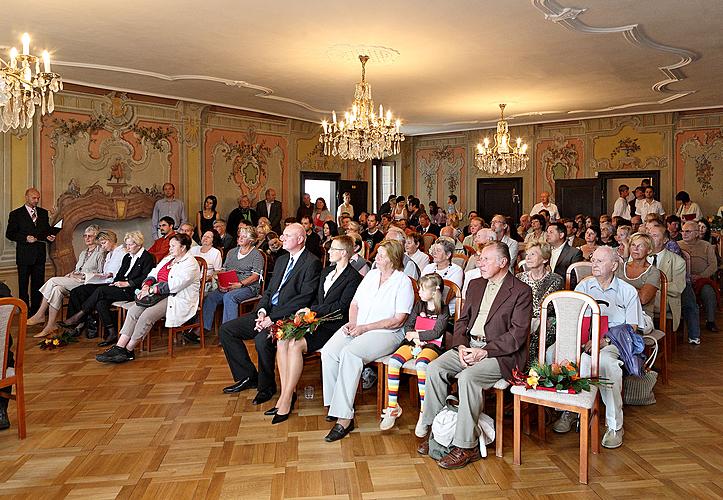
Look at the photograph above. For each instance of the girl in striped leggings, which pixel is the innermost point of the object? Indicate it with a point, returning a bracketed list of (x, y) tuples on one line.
[(425, 329)]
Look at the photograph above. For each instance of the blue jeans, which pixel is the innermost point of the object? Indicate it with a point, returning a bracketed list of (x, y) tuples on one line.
[(690, 312), (709, 300), (230, 300)]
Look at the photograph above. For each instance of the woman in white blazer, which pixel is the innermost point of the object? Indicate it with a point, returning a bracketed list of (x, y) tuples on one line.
[(177, 277)]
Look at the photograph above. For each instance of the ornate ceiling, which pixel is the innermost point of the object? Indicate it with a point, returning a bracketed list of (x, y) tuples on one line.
[(441, 66)]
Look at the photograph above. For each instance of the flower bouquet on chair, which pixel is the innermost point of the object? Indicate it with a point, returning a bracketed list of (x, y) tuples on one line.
[(561, 377), (299, 325)]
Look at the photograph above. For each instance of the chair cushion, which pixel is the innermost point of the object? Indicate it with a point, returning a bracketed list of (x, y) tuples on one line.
[(10, 372), (501, 384), (123, 304), (658, 335), (583, 400)]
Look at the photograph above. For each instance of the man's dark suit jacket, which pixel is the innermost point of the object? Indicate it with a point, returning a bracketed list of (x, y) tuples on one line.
[(298, 291), (141, 267), (432, 229), (313, 244), (508, 322), (236, 216), (569, 255), (20, 225), (275, 215)]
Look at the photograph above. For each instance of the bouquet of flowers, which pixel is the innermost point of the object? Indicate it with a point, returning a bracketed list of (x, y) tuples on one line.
[(557, 377), (57, 341), (299, 325)]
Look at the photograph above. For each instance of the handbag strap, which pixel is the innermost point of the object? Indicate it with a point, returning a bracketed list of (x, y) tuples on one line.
[(650, 360)]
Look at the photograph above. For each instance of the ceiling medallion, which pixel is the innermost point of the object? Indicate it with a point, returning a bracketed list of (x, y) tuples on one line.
[(362, 134), (502, 158), (21, 88)]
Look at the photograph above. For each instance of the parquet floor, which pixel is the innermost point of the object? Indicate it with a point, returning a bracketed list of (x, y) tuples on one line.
[(161, 428)]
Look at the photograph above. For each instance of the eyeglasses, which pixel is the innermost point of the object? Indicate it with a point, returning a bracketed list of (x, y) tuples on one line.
[(337, 249)]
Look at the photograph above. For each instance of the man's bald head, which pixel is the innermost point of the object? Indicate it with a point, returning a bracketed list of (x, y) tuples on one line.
[(32, 197), (447, 231), (293, 237)]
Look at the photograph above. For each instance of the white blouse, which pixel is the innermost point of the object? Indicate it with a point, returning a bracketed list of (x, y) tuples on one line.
[(377, 302)]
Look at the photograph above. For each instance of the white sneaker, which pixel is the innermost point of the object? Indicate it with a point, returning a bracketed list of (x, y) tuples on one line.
[(421, 430), (389, 416), (613, 438), (564, 423), (694, 341)]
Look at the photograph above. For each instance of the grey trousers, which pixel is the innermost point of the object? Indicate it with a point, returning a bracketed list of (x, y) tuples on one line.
[(342, 361), (140, 320), (471, 383)]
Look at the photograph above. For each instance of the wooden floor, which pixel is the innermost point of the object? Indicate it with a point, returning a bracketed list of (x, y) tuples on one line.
[(159, 428)]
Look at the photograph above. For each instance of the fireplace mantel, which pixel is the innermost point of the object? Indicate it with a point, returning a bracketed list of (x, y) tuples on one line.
[(75, 208)]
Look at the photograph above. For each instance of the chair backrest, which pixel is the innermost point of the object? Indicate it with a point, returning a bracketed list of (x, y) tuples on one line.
[(367, 250), (686, 256), (266, 268), (522, 266), (662, 323), (10, 307), (469, 250), (581, 269), (428, 239), (202, 292), (415, 287), (453, 293), (570, 308), (460, 259)]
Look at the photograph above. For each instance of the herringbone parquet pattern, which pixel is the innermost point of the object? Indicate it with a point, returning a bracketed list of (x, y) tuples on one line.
[(161, 428)]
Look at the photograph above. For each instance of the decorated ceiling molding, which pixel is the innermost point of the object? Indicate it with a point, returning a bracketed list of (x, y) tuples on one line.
[(549, 60)]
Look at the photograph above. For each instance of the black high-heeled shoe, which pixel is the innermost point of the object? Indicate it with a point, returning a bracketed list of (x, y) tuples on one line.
[(275, 410)]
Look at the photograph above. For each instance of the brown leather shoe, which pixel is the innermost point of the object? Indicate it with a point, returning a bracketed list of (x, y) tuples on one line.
[(459, 457), (423, 448)]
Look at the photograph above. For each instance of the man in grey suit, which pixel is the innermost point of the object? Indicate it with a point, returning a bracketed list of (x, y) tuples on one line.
[(293, 286), (562, 254)]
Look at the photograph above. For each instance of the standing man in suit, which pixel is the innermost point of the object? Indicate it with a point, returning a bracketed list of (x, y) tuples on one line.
[(293, 286), (271, 209), (243, 212), (29, 227), (489, 340), (562, 254), (136, 265)]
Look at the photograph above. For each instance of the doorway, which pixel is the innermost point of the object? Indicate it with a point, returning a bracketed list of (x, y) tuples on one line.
[(499, 196), (609, 182), (321, 185)]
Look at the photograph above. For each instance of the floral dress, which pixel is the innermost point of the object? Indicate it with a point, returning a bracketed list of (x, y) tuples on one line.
[(541, 288)]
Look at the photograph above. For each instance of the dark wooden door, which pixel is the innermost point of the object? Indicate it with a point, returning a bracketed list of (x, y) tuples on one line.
[(359, 191), (499, 196), (578, 196)]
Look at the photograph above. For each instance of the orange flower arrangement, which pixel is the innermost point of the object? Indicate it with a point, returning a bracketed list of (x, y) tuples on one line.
[(299, 325), (560, 377)]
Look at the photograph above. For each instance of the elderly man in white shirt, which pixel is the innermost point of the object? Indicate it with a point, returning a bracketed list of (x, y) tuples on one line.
[(546, 204), (622, 306)]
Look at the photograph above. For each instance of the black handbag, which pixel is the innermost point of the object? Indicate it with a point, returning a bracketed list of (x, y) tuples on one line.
[(151, 299)]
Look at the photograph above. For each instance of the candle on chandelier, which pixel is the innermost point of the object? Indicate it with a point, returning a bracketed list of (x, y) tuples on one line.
[(333, 116), (398, 124), (519, 142), (13, 57), (524, 148), (324, 125), (487, 142), (389, 116), (26, 43), (46, 61)]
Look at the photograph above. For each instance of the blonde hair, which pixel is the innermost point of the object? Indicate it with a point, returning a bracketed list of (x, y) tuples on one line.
[(435, 282), (109, 235), (545, 250), (453, 220), (647, 240), (395, 252), (135, 236)]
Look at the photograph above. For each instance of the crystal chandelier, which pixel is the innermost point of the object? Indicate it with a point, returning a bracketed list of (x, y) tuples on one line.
[(23, 87), (362, 134), (502, 158)]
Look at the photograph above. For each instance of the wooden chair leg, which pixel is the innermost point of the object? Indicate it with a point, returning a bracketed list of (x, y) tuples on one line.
[(595, 426), (20, 402), (526, 426), (665, 356), (541, 423), (381, 382), (584, 434), (499, 417), (203, 335), (171, 335), (517, 453)]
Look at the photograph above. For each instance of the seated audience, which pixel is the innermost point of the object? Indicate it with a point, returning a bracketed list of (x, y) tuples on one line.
[(674, 223), (423, 345), (703, 265), (331, 231), (377, 313), (305, 208), (227, 240), (622, 236), (427, 226), (437, 215), (136, 265), (410, 268), (248, 263), (55, 289), (621, 304), (475, 224), (412, 244), (542, 282), (400, 210), (441, 251), (537, 232), (209, 251), (562, 255), (243, 212), (357, 261), (337, 285), (451, 232), (607, 235), (177, 279), (571, 230), (489, 341), (386, 222), (502, 231), (635, 223), (293, 286), (642, 275), (592, 242), (188, 229), (159, 248), (372, 235)]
